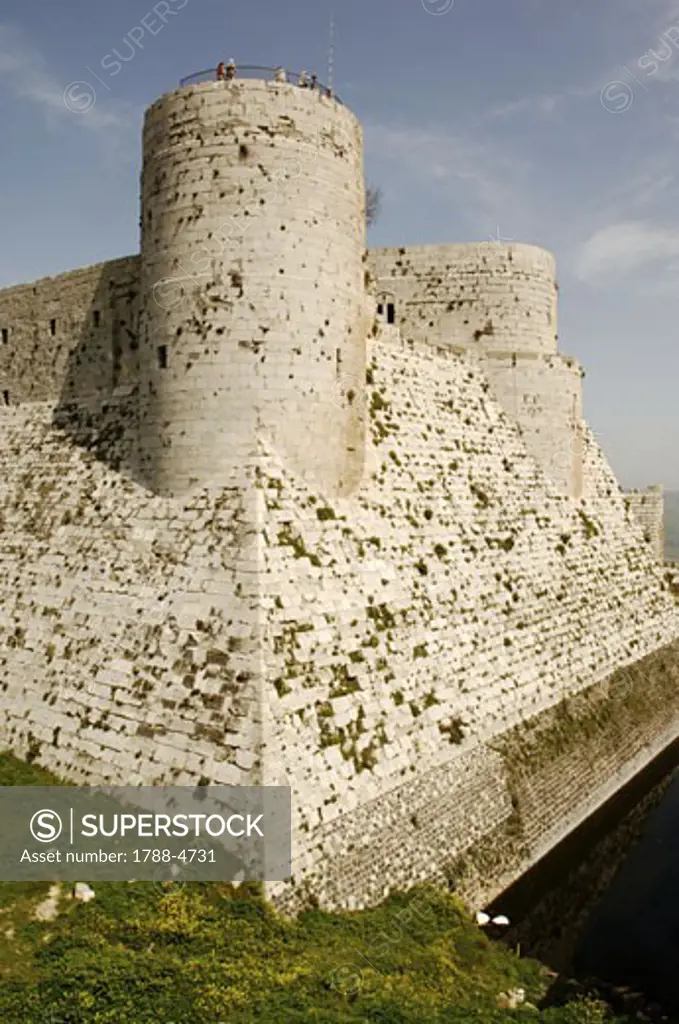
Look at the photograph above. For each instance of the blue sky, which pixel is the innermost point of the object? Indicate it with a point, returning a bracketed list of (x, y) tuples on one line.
[(547, 121)]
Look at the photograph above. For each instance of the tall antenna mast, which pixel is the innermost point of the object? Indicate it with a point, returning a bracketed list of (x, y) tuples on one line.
[(331, 49)]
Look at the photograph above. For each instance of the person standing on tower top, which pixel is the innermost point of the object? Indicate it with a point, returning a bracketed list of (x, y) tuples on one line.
[(280, 75), (231, 70), (314, 81), (221, 67), (303, 80)]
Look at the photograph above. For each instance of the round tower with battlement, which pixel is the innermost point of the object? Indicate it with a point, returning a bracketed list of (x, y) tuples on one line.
[(500, 301), (488, 296), (254, 310)]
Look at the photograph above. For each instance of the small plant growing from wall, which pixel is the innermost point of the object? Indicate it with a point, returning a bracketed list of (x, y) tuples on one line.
[(591, 529), (373, 203), (452, 729), (487, 330)]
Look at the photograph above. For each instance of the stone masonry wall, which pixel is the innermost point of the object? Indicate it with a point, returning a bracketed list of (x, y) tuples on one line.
[(72, 336), (499, 301), (125, 618), (648, 510), (370, 651), (253, 237), (456, 596), (403, 580), (544, 396), (492, 297)]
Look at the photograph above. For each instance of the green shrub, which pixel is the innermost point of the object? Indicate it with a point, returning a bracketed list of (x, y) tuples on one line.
[(207, 952)]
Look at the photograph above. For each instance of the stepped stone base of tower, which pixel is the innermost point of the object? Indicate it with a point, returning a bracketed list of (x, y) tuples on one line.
[(394, 656)]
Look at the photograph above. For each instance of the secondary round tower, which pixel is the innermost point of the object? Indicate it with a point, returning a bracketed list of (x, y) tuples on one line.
[(486, 296), (252, 243), (500, 302)]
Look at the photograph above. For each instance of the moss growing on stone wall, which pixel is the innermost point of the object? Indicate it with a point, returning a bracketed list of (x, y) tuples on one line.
[(453, 730), (325, 513), (343, 684), (382, 616), (286, 536), (609, 723), (282, 687), (590, 527)]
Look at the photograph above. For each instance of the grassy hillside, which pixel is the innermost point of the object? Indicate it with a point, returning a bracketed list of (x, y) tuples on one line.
[(208, 953), (672, 525)]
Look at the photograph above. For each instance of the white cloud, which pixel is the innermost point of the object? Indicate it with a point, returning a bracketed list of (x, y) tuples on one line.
[(626, 247), (542, 104)]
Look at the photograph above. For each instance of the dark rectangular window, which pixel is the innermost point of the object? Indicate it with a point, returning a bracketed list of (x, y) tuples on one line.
[(380, 308), (5, 335), (391, 313), (96, 317), (5, 397), (162, 356), (53, 327)]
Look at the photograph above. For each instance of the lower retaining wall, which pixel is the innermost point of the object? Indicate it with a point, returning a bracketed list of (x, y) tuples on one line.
[(519, 795)]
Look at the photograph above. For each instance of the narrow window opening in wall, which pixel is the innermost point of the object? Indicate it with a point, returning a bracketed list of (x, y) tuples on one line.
[(53, 327), (391, 313), (96, 317), (162, 357), (380, 308), (5, 335), (5, 397), (338, 359)]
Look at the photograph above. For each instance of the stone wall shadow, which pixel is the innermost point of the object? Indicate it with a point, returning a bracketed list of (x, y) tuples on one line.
[(97, 407), (551, 906)]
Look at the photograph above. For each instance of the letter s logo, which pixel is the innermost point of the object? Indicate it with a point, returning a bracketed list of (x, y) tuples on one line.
[(46, 826), (647, 62)]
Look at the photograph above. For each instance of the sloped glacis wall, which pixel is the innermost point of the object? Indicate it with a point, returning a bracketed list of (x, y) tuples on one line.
[(372, 651)]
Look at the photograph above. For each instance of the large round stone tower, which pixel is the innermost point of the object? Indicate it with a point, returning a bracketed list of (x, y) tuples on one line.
[(252, 249)]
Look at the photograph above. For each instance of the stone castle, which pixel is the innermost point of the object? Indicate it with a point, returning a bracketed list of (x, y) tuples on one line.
[(278, 510)]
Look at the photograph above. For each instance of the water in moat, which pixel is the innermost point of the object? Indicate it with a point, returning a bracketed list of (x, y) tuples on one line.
[(632, 936), (603, 909)]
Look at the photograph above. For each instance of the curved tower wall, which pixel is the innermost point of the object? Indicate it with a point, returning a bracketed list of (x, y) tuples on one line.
[(253, 235), (488, 296), (501, 302)]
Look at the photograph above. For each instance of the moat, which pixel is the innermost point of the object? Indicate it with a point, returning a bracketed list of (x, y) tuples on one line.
[(611, 922)]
